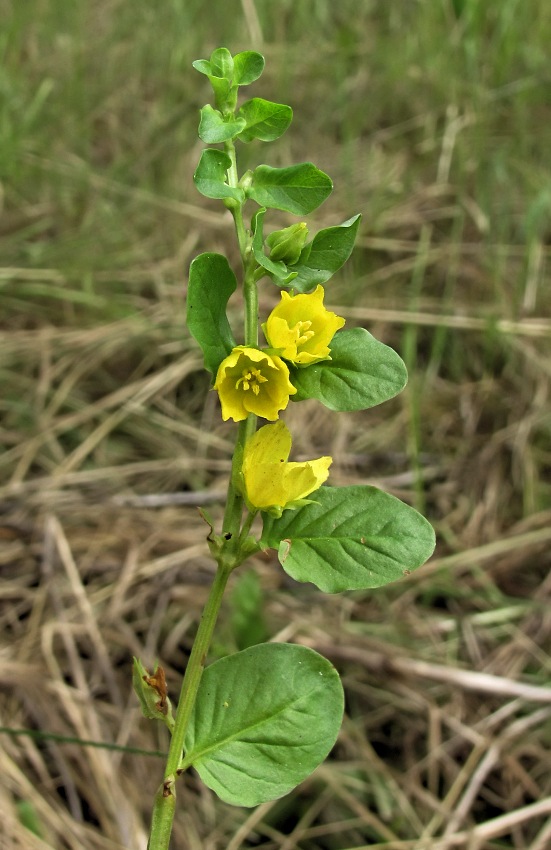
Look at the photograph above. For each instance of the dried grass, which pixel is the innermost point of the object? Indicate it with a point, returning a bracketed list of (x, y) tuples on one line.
[(448, 711), (109, 445)]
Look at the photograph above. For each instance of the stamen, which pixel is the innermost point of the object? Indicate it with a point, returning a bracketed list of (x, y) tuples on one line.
[(304, 331), (259, 376), (250, 380)]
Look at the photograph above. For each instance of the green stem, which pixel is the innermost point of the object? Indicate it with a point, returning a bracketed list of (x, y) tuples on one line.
[(163, 809), (247, 428), (234, 500), (230, 555), (247, 526), (250, 293), (237, 210)]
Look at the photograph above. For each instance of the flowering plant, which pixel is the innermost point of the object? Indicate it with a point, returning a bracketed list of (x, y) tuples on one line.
[(256, 723)]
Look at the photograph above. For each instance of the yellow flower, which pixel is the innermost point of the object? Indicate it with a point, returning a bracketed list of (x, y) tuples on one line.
[(270, 483), (300, 328), (252, 381)]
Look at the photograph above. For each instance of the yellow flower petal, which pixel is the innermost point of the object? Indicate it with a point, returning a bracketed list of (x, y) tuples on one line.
[(270, 482), (302, 479), (301, 329), (251, 381), (270, 444)]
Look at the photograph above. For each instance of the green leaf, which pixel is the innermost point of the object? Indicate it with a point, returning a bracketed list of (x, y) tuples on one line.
[(264, 120), (203, 66), (221, 63), (225, 94), (213, 129), (248, 67), (325, 254), (220, 85), (350, 538), (210, 176), (220, 66), (211, 283), (277, 270), (263, 720), (299, 189), (362, 373)]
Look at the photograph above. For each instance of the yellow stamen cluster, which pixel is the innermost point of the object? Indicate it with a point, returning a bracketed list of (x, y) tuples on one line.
[(251, 380)]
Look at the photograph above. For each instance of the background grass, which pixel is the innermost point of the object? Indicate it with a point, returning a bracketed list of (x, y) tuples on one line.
[(433, 119)]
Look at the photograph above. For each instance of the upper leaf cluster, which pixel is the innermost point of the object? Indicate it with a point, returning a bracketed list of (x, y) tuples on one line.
[(256, 119), (298, 189)]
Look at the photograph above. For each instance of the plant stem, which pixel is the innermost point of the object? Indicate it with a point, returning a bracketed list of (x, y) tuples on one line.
[(229, 557), (234, 500), (250, 292), (163, 809), (250, 295), (237, 210), (247, 526)]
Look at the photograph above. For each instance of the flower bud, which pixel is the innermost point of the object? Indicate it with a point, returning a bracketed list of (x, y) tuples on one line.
[(287, 244), (246, 181)]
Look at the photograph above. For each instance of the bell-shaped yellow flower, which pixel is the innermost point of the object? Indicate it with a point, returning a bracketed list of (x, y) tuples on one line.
[(251, 381), (271, 483), (300, 329)]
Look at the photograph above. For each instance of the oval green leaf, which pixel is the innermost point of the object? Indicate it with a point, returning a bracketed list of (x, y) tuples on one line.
[(264, 719), (350, 538), (264, 120), (298, 189), (221, 63), (213, 129), (211, 283), (203, 66), (362, 373), (210, 176), (325, 254), (247, 67)]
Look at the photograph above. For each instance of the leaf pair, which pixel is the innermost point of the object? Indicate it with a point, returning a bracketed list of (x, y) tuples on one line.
[(298, 189), (263, 720), (239, 70), (256, 119), (226, 73)]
